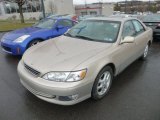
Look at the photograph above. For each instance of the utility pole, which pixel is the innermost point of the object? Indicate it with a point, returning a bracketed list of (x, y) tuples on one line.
[(43, 9), (86, 7), (149, 6), (101, 6), (125, 6)]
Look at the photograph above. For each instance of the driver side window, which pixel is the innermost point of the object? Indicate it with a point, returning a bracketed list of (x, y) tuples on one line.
[(128, 30), (138, 27)]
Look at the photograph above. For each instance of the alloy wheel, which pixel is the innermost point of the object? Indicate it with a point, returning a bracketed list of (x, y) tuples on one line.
[(104, 83)]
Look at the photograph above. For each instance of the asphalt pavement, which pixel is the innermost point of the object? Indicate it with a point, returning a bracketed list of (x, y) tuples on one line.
[(134, 95)]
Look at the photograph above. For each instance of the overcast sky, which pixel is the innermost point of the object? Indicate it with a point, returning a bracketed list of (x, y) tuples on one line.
[(91, 1)]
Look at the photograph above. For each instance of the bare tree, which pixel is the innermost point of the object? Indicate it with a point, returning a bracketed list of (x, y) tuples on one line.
[(20, 3)]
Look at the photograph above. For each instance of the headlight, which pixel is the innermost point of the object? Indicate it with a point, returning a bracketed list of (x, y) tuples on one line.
[(21, 39), (65, 76), (2, 39)]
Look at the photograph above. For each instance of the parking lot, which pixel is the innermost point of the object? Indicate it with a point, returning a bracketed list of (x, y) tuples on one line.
[(135, 95)]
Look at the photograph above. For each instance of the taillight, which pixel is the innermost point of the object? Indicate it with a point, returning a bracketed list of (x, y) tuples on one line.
[(158, 25)]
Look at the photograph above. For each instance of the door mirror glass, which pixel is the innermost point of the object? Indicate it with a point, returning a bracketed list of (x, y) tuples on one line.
[(128, 39)]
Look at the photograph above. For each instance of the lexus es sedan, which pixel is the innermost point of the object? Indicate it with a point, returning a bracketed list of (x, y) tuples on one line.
[(83, 62)]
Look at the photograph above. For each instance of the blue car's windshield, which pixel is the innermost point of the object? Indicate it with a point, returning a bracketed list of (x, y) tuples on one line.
[(96, 30), (45, 23)]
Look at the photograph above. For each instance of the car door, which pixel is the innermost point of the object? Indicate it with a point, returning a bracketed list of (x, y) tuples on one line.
[(63, 26), (125, 53), (140, 37), (47, 28)]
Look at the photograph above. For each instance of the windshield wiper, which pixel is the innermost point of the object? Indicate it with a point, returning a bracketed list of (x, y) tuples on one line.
[(84, 37)]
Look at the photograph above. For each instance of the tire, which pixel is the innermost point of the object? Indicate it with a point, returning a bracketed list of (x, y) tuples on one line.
[(145, 53), (101, 86), (34, 42)]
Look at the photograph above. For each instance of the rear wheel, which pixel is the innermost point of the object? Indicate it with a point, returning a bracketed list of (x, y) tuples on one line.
[(145, 53), (102, 83), (34, 42)]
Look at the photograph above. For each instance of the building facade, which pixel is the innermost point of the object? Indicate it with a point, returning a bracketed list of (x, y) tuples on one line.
[(59, 6), (95, 9), (131, 7), (33, 9), (11, 7)]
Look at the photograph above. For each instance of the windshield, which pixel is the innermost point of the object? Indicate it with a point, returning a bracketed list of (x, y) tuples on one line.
[(45, 23), (151, 18), (96, 30)]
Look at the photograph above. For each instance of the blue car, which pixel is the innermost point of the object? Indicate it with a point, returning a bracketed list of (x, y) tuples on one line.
[(16, 42)]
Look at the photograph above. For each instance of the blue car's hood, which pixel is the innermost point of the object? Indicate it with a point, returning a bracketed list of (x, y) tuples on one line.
[(20, 32)]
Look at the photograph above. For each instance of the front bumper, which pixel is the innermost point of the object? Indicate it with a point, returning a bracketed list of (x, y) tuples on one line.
[(12, 48), (55, 92)]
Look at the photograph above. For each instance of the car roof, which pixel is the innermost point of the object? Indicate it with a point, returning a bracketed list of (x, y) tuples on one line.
[(116, 19), (59, 18)]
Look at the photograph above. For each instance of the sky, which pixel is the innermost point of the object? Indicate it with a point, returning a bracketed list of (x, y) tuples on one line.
[(92, 1)]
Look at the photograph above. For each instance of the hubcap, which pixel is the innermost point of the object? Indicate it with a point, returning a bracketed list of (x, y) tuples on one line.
[(146, 51), (103, 83)]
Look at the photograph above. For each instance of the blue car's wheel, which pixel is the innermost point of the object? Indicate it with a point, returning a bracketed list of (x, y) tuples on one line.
[(34, 42)]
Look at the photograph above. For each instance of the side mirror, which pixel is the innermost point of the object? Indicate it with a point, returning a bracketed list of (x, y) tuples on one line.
[(128, 39), (59, 27)]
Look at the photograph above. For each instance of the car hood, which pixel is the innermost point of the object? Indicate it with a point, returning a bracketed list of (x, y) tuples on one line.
[(20, 32), (62, 54)]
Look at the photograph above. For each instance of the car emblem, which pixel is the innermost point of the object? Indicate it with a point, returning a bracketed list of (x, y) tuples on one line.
[(150, 24)]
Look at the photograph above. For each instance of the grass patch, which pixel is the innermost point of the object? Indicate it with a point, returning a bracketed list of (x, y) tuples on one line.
[(12, 25)]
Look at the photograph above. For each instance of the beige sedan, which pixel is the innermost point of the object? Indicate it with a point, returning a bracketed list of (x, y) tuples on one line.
[(83, 62)]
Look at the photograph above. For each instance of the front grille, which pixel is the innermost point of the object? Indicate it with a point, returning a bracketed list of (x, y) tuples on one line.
[(31, 70), (6, 48)]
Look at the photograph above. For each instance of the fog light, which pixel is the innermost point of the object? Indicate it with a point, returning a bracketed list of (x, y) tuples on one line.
[(68, 98), (73, 97)]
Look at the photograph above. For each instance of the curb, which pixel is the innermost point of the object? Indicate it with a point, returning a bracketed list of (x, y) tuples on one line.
[(5, 31)]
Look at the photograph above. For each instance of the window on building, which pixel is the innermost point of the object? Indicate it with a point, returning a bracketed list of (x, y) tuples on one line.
[(93, 13), (0, 11), (83, 13), (29, 6)]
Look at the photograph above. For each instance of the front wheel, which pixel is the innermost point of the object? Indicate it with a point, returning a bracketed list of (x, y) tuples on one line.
[(102, 83), (145, 53), (34, 42)]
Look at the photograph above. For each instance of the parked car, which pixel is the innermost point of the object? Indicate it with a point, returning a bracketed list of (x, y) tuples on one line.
[(55, 16), (83, 62), (153, 21), (71, 16), (125, 16), (84, 17), (16, 42), (67, 16)]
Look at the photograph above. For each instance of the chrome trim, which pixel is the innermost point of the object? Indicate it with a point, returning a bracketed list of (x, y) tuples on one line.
[(31, 70)]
